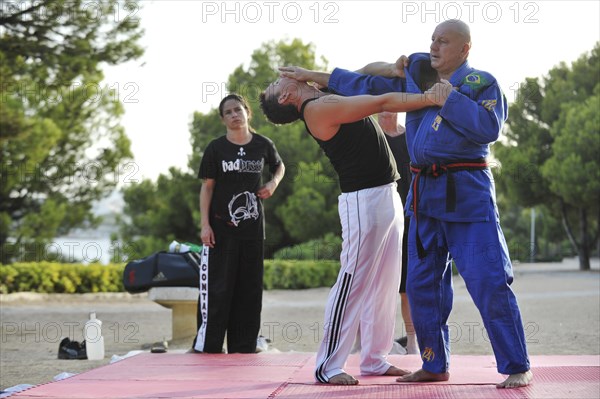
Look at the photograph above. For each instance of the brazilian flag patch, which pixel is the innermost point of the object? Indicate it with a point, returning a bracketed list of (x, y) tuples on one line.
[(475, 80)]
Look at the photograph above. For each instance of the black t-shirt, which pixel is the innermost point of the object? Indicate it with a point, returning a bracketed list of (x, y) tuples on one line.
[(359, 154), (235, 210)]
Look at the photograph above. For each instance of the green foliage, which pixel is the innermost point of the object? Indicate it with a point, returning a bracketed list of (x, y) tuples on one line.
[(527, 147), (550, 157), (61, 141), (47, 277), (157, 213), (311, 210), (550, 243), (288, 274), (326, 248), (573, 171)]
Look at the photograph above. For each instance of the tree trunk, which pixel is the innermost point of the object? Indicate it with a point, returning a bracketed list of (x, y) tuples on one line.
[(596, 238), (567, 226), (584, 248)]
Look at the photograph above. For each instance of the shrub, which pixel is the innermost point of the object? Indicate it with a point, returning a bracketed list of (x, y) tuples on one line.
[(48, 277), (288, 274), (325, 248)]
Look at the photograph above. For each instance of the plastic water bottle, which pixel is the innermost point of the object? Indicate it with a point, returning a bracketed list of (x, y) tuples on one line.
[(94, 341), (193, 247), (176, 246)]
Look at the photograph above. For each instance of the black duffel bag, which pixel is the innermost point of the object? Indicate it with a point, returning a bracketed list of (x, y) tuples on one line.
[(162, 269)]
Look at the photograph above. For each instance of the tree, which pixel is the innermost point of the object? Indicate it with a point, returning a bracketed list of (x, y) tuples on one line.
[(157, 213), (61, 141), (300, 154), (312, 204), (550, 241), (573, 173), (551, 155)]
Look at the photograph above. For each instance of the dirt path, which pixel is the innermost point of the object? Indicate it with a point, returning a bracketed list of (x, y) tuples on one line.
[(560, 308)]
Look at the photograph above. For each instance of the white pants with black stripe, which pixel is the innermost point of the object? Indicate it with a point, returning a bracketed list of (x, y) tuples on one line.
[(366, 291)]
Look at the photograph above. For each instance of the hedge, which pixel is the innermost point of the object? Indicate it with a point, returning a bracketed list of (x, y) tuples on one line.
[(49, 277), (299, 274)]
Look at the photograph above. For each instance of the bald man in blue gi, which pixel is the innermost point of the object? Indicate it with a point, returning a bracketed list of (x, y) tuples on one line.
[(452, 200)]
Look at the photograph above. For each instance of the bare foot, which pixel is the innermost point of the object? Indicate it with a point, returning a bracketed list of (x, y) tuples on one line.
[(393, 370), (516, 380), (423, 375), (343, 379)]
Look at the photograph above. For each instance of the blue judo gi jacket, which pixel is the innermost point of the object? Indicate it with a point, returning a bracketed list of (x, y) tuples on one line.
[(463, 129)]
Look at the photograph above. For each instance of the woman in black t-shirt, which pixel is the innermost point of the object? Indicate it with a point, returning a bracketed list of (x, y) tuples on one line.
[(232, 222)]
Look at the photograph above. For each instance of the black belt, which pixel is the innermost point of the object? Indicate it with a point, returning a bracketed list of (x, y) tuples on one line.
[(436, 170)]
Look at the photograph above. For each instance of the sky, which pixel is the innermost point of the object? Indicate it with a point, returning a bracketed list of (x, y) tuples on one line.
[(191, 47)]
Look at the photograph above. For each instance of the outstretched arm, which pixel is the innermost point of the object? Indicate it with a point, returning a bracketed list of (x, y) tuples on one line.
[(325, 115), (386, 69), (305, 75), (347, 83)]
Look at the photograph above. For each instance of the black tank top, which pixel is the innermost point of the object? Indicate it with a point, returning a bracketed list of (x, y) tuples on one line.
[(359, 154)]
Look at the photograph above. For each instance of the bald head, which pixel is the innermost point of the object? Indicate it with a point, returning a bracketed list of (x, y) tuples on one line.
[(459, 27), (450, 45)]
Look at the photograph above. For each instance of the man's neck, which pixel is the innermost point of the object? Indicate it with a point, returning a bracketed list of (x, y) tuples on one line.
[(448, 74), (445, 75), (309, 94)]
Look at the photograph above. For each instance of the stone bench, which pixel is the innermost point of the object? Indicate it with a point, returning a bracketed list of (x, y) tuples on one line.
[(183, 302)]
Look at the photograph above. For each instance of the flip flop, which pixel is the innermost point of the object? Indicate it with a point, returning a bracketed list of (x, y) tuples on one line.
[(159, 347)]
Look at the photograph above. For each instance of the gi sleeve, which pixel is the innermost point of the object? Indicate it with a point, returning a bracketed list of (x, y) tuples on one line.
[(348, 83), (481, 119)]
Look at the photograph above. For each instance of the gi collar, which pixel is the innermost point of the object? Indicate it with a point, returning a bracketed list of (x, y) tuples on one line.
[(459, 75)]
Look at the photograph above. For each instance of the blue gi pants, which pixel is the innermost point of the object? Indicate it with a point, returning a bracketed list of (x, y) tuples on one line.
[(481, 256)]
